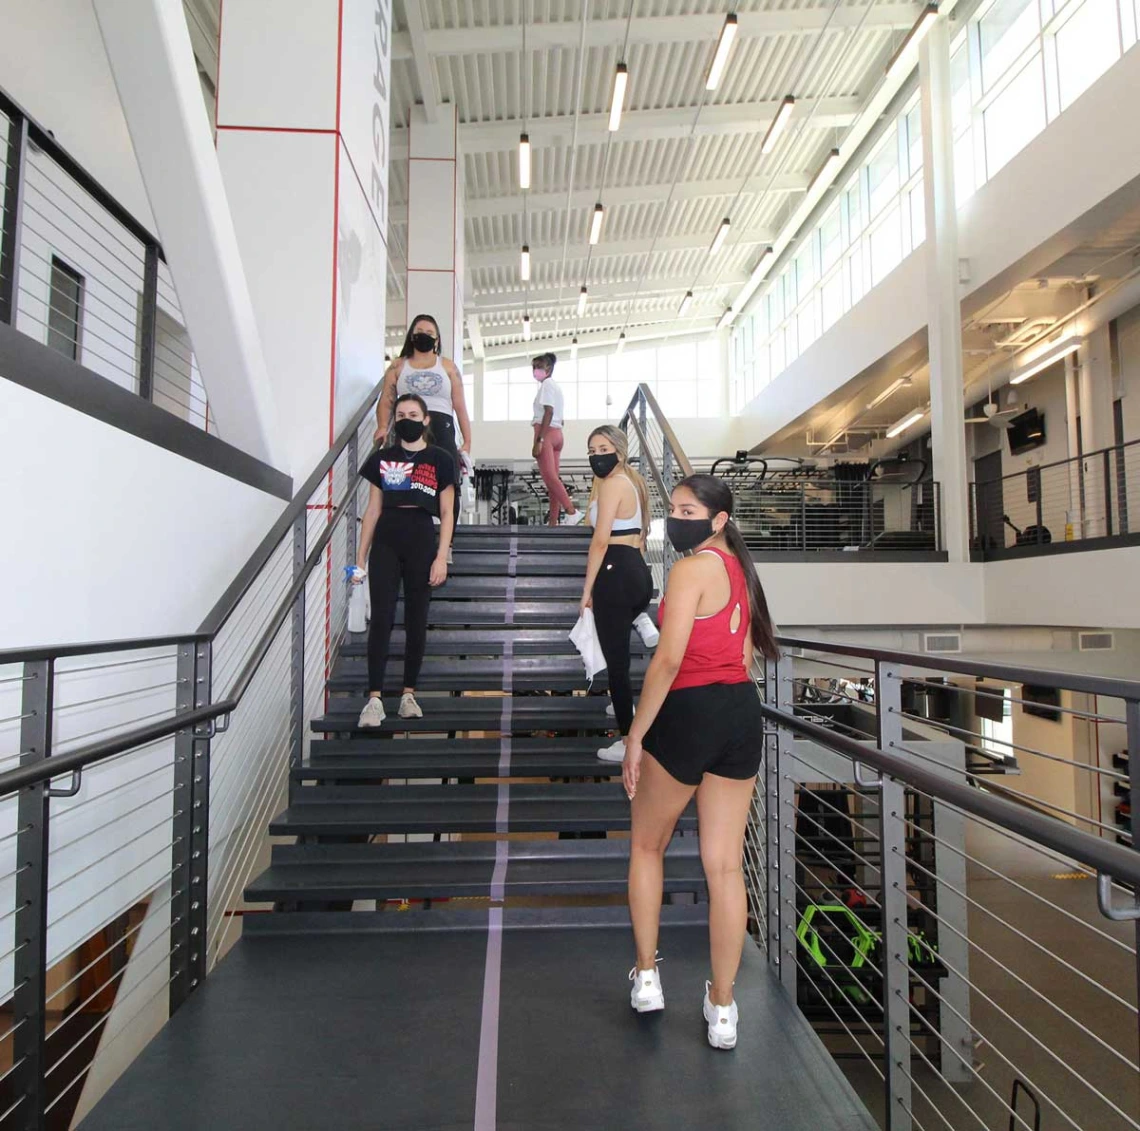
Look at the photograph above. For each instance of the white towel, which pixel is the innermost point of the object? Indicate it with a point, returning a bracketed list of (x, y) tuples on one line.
[(584, 637)]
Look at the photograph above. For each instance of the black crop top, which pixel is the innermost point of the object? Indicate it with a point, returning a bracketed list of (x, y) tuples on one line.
[(410, 478)]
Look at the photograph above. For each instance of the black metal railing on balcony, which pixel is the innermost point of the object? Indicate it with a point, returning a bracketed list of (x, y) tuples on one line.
[(1093, 500)]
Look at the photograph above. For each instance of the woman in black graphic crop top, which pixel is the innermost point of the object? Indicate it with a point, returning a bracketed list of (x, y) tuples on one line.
[(412, 483)]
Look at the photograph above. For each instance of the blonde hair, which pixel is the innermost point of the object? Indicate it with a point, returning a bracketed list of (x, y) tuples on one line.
[(621, 445)]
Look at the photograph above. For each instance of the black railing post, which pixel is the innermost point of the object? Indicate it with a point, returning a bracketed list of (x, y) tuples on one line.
[(1108, 492), (803, 518), (352, 516), (1040, 513), (148, 327), (297, 650), (12, 218), (1132, 732), (29, 999)]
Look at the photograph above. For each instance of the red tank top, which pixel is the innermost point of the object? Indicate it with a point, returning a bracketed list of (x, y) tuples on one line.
[(715, 653)]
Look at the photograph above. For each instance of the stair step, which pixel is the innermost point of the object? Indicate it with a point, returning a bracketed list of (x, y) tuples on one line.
[(364, 810), (441, 870), (446, 611), (444, 714), (539, 587), (475, 563), (525, 640), (369, 759), (528, 673)]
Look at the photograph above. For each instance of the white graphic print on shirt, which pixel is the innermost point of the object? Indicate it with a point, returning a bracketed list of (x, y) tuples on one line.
[(397, 474)]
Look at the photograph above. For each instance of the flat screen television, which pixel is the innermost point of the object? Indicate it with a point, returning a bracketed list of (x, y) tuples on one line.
[(1041, 702), (1026, 431), (989, 702)]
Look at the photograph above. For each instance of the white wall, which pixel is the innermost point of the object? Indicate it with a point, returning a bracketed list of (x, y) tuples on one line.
[(111, 536), (1060, 175)]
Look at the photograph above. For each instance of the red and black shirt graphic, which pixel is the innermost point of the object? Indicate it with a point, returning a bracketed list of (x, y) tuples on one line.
[(410, 478)]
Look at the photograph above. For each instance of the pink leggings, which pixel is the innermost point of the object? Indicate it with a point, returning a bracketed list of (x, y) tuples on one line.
[(549, 456)]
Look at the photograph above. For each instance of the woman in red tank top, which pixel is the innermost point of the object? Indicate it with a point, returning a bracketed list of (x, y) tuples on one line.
[(699, 731)]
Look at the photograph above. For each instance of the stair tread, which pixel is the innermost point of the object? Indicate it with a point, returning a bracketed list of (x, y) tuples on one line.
[(411, 765), (525, 640)]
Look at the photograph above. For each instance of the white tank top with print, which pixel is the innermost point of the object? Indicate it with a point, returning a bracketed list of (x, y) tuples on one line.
[(433, 384)]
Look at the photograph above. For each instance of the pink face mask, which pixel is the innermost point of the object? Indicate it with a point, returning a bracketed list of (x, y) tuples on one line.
[(540, 374)]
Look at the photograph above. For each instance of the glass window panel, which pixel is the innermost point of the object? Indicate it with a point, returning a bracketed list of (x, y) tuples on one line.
[(961, 102), (917, 216), (65, 309), (495, 395), (808, 322), (831, 239), (1087, 45), (914, 139), (710, 385), (520, 400), (886, 246), (1015, 117), (791, 342), (789, 281), (883, 174), (832, 300), (853, 204), (592, 400), (805, 269), (746, 337), (677, 398), (964, 167), (855, 274), (676, 363), (775, 306), (777, 355), (1006, 30), (570, 398)]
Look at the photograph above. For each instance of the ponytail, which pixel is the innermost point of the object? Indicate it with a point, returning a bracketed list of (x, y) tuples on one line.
[(715, 494)]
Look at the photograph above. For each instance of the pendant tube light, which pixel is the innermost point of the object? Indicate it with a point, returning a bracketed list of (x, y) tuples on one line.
[(907, 421), (617, 100), (596, 224), (574, 349), (524, 264), (721, 235), (827, 169), (779, 124), (726, 319), (583, 294), (1043, 361), (524, 161), (620, 342), (913, 37), (723, 47), (686, 302), (889, 391), (526, 327)]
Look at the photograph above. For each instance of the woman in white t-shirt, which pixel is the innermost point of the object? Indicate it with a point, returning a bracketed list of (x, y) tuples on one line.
[(547, 448)]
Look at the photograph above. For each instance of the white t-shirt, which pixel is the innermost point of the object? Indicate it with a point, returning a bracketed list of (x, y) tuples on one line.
[(549, 395)]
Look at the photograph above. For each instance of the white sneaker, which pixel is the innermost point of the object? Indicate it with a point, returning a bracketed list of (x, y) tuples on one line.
[(722, 1021), (373, 713), (647, 630), (409, 708), (572, 519), (647, 995), (614, 753), (610, 710)]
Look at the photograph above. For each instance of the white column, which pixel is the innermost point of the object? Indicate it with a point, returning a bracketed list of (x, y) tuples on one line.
[(303, 107), (475, 410), (435, 226), (1095, 394), (944, 307), (149, 50)]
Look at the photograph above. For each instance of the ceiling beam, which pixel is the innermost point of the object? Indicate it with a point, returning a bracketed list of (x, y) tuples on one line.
[(475, 335), (552, 253), (592, 344), (644, 125), (651, 285), (510, 203), (421, 60), (564, 34)]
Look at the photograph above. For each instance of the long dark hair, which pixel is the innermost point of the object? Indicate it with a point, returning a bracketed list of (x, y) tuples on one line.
[(409, 349), (715, 494), (415, 398)]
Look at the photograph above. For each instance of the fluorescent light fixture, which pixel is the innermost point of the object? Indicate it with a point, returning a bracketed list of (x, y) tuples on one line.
[(721, 235), (686, 302), (913, 37), (526, 327), (726, 319), (889, 391), (779, 122), (904, 424), (827, 169), (620, 342), (582, 296), (524, 264), (574, 349), (727, 35), (1050, 357), (621, 78), (524, 161), (596, 224)]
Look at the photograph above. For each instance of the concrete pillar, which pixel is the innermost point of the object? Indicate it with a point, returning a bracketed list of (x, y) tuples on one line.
[(944, 307), (1095, 394), (148, 47), (303, 108), (435, 226), (480, 371), (1074, 518)]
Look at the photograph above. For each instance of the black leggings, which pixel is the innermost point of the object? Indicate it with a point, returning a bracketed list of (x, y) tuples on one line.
[(403, 548), (443, 436), (621, 593)]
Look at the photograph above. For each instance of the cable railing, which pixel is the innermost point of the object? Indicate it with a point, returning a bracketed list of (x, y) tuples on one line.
[(81, 275), (137, 781), (1093, 499), (940, 867)]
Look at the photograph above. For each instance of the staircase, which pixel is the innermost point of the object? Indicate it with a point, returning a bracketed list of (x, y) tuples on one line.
[(390, 816)]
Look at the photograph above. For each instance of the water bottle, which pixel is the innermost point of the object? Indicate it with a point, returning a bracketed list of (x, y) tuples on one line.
[(357, 598)]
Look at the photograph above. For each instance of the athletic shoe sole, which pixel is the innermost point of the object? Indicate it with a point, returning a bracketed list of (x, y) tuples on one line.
[(653, 1005), (715, 1039)]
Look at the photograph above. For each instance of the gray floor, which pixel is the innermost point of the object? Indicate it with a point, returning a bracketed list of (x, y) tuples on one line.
[(382, 1032)]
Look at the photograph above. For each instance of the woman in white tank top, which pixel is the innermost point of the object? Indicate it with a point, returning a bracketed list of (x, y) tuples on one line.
[(422, 370)]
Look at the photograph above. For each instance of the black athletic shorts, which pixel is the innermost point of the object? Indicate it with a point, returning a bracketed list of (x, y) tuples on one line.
[(714, 729)]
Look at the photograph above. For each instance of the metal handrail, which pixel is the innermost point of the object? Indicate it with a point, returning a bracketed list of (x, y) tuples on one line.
[(647, 455), (1037, 468), (16, 779), (644, 393), (1103, 856)]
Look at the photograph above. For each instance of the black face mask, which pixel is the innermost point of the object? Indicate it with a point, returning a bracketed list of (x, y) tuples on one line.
[(410, 430), (425, 343), (603, 465), (688, 533)]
